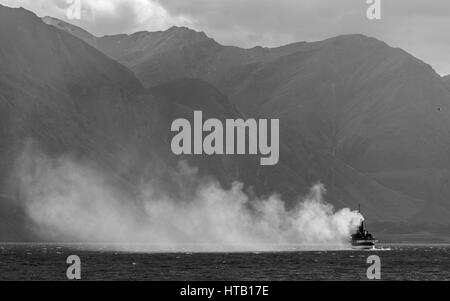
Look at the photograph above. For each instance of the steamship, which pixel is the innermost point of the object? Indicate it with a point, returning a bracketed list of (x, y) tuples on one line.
[(362, 239)]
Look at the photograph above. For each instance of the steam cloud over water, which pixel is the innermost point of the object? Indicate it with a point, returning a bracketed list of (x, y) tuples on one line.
[(67, 201)]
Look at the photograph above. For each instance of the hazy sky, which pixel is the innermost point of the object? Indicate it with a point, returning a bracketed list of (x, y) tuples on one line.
[(421, 27)]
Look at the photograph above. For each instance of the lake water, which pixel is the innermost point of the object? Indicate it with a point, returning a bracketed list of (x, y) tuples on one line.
[(48, 262)]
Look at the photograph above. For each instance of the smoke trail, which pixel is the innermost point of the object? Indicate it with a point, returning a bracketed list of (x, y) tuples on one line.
[(69, 201)]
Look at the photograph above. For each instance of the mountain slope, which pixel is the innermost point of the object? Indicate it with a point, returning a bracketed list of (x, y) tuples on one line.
[(67, 99), (55, 93), (349, 109), (446, 79), (179, 52), (73, 30), (62, 97), (350, 102), (48, 77)]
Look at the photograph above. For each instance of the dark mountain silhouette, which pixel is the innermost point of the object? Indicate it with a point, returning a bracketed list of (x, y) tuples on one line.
[(59, 93), (64, 97), (368, 120), (354, 102)]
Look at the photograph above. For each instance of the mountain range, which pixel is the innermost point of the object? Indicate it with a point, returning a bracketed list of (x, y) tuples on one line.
[(370, 121)]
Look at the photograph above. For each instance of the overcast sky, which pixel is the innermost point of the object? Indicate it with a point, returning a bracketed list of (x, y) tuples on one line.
[(421, 27)]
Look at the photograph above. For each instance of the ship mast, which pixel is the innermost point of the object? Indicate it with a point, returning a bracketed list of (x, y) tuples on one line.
[(361, 227)]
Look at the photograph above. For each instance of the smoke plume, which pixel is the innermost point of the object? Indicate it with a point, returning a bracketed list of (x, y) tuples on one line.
[(68, 201)]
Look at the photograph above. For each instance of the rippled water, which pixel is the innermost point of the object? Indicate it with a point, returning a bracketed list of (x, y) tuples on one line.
[(48, 262)]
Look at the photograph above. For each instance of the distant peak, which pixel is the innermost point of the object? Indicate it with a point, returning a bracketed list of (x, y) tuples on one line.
[(353, 37), (352, 40), (179, 28), (50, 20), (184, 29), (174, 30)]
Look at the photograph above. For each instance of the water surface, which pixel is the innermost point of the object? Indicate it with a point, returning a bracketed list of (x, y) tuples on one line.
[(48, 262)]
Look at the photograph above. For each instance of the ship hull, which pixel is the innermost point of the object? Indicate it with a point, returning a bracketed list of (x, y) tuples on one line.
[(363, 244), (371, 247)]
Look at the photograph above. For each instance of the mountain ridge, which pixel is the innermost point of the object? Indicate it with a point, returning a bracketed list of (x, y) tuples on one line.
[(366, 119), (355, 85)]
